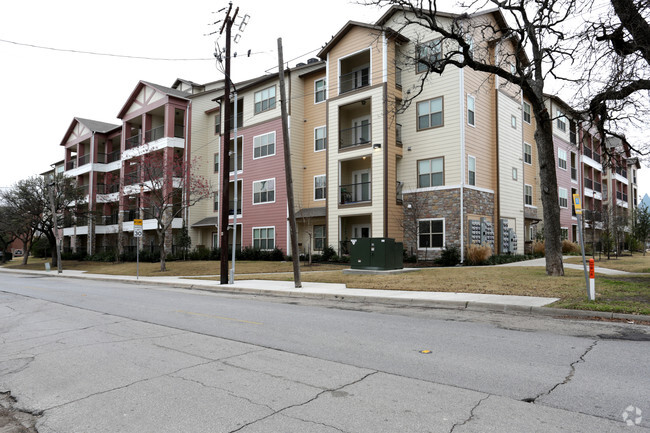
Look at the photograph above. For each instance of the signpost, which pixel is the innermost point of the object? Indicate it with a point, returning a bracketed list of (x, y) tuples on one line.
[(137, 233), (577, 205)]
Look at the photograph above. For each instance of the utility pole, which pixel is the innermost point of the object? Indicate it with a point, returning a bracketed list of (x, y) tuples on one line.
[(295, 254), (225, 155), (55, 227)]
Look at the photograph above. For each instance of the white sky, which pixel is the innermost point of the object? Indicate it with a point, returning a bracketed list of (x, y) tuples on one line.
[(43, 90)]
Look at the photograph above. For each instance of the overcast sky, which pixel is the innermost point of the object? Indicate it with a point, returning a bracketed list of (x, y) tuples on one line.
[(43, 90)]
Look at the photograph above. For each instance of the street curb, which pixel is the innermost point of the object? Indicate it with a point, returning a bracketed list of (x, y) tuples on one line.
[(413, 302)]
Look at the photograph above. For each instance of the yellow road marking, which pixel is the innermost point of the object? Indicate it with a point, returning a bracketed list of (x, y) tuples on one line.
[(219, 317)]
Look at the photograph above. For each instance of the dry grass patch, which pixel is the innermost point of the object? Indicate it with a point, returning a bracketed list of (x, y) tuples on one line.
[(636, 263)]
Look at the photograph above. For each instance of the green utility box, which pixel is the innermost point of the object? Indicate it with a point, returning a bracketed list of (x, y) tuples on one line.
[(380, 254)]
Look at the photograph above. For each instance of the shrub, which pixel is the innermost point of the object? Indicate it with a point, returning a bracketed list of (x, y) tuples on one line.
[(508, 258), (539, 248), (450, 256), (106, 256), (328, 254), (569, 247), (478, 254)]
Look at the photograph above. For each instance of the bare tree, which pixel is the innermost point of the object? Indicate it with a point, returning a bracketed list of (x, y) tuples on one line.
[(523, 43), (168, 189)]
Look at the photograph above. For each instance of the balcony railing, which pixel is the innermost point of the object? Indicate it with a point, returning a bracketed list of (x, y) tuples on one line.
[(132, 141), (589, 183), (107, 220), (84, 159), (154, 134), (625, 197), (621, 171), (354, 193), (596, 157), (113, 156), (597, 186), (587, 152), (107, 189), (179, 131), (83, 190), (354, 80), (619, 195), (101, 158), (355, 136), (574, 173), (70, 165), (131, 178)]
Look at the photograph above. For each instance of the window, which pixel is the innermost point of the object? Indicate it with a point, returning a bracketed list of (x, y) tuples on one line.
[(470, 50), (528, 153), (427, 54), (431, 172), (319, 91), (431, 233), (561, 120), (216, 163), (564, 198), (217, 123), (561, 158), (513, 69), (532, 233), (528, 195), (264, 191), (513, 122), (564, 233), (470, 110), (264, 238), (320, 187), (319, 238), (527, 112), (471, 170), (215, 202), (514, 173), (264, 145), (265, 100), (320, 136), (430, 113)]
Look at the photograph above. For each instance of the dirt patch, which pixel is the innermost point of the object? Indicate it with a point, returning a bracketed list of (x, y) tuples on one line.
[(13, 420)]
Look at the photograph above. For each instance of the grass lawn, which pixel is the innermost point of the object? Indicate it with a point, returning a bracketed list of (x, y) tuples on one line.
[(630, 263), (627, 294)]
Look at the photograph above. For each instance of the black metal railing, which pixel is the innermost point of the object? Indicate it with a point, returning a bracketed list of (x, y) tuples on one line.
[(354, 80), (587, 152), (597, 186), (355, 136), (589, 183), (107, 220), (84, 159), (131, 178), (101, 158), (179, 131), (596, 157), (70, 165), (154, 134), (113, 156), (355, 193), (619, 195), (107, 189), (132, 142)]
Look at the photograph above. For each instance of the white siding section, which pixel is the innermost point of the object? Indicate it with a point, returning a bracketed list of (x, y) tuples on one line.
[(510, 145)]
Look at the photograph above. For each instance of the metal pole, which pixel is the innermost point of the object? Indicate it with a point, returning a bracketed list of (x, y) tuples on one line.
[(137, 259), (234, 213), (582, 249), (55, 228)]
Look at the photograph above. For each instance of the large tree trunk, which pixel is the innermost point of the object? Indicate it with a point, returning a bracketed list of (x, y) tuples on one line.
[(548, 183), (161, 244), (52, 241)]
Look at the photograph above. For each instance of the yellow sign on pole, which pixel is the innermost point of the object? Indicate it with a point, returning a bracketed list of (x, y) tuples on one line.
[(137, 222), (576, 204)]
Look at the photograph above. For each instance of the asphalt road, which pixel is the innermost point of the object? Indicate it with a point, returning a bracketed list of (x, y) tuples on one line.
[(89, 356)]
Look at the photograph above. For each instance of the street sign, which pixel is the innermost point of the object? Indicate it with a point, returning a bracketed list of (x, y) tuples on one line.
[(137, 222), (576, 204), (137, 231)]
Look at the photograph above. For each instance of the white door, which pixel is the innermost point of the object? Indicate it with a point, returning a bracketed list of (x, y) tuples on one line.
[(361, 128), (360, 185), (360, 231)]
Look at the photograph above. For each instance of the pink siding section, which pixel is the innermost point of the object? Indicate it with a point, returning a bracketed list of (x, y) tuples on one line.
[(564, 181), (269, 167)]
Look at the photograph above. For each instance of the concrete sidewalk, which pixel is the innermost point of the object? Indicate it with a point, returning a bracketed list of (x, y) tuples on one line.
[(329, 291)]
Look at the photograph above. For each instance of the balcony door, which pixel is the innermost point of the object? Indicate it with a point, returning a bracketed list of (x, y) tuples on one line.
[(360, 231), (361, 185), (361, 128)]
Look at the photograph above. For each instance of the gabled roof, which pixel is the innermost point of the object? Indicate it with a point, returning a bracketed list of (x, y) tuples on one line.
[(166, 90), (349, 26), (92, 125)]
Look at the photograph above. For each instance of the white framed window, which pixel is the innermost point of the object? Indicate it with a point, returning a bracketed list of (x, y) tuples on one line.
[(528, 195), (427, 54), (514, 173), (561, 120), (561, 158), (217, 123), (215, 202), (431, 233), (528, 154), (471, 110), (563, 197), (430, 113), (264, 191), (564, 233), (471, 170), (320, 138), (319, 90), (216, 163), (513, 122), (527, 112), (264, 145), (532, 233), (320, 187), (319, 238), (513, 69), (265, 100), (431, 172), (470, 42), (264, 238)]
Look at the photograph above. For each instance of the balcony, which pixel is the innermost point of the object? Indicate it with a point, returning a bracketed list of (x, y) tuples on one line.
[(71, 165), (113, 156), (356, 136), (354, 80), (83, 190), (355, 193), (84, 159), (596, 157), (574, 173), (231, 207), (107, 189), (589, 183), (132, 142), (597, 186), (587, 152), (179, 131), (131, 178), (154, 134), (107, 220)]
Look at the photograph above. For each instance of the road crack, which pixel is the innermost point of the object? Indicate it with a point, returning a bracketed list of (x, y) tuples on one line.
[(569, 376), (305, 402), (471, 414)]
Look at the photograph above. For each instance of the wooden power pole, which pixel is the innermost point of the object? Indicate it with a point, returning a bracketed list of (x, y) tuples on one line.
[(295, 254)]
